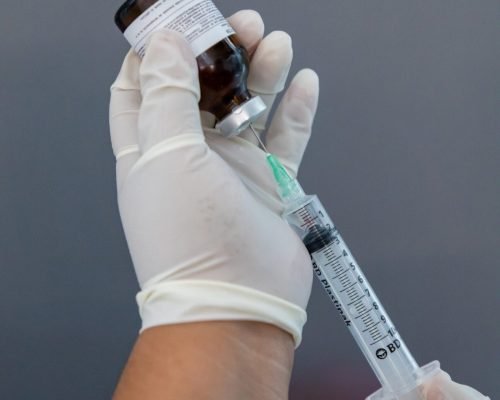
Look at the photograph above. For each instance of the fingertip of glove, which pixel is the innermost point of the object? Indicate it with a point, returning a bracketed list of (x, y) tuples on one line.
[(272, 61), (128, 77), (249, 27), (307, 78), (278, 46), (167, 35), (168, 62), (248, 20), (281, 37), (167, 43), (305, 87)]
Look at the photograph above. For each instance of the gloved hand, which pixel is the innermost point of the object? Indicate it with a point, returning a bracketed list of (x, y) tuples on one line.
[(200, 213), (436, 385), (441, 387)]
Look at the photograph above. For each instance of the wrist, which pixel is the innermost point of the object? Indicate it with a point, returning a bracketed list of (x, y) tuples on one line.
[(164, 302), (210, 360)]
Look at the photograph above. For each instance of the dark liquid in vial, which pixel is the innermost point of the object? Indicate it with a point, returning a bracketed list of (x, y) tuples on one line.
[(223, 68)]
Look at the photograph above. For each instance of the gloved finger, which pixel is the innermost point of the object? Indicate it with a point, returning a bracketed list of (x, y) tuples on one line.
[(249, 28), (268, 73), (124, 114), (170, 90), (443, 388), (290, 129)]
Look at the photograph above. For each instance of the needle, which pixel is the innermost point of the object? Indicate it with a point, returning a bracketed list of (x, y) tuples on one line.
[(258, 138)]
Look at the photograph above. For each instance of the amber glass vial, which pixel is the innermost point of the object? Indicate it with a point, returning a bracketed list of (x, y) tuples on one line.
[(223, 67)]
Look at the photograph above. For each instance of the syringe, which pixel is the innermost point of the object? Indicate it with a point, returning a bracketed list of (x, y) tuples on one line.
[(350, 292)]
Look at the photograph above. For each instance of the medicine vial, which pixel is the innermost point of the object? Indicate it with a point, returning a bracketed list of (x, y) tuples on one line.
[(223, 62)]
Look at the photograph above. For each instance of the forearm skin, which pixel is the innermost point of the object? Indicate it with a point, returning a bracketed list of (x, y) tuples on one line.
[(209, 361)]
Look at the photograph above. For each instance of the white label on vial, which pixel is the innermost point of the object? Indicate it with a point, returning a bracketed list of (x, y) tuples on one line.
[(199, 21)]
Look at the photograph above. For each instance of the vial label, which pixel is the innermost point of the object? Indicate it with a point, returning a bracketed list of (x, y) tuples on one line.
[(199, 21)]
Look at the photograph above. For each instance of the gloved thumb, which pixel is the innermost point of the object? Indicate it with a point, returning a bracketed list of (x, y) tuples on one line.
[(443, 388), (170, 90)]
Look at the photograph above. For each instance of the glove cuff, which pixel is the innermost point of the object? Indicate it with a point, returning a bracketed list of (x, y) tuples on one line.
[(175, 302)]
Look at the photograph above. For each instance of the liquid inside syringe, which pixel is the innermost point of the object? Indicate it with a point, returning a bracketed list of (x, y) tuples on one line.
[(350, 292)]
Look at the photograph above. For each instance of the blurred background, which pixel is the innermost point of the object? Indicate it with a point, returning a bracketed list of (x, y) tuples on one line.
[(405, 155)]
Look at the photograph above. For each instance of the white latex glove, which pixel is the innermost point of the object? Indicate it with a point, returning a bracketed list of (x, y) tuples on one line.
[(435, 384), (200, 212), (441, 387)]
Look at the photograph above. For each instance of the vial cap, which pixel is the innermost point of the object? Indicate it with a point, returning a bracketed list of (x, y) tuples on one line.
[(241, 117)]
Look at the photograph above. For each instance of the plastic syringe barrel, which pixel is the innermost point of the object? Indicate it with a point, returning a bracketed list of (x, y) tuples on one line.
[(351, 293)]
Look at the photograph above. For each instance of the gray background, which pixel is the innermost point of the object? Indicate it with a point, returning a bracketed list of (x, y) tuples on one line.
[(404, 155)]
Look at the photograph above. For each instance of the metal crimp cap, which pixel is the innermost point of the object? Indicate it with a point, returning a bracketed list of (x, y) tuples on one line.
[(241, 117)]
